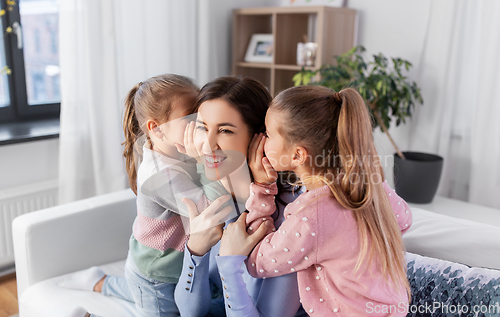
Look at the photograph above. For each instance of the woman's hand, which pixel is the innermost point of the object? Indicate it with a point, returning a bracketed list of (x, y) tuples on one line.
[(262, 170), (236, 240), (189, 147), (206, 227)]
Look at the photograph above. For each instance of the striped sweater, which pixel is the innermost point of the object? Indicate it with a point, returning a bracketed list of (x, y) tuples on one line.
[(161, 228)]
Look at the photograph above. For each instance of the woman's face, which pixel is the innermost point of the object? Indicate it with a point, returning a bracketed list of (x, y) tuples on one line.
[(222, 137)]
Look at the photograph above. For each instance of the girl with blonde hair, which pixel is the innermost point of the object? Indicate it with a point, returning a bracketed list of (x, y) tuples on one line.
[(343, 236)]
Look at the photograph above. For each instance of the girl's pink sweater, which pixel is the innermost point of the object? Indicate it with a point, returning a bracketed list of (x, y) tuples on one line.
[(319, 240)]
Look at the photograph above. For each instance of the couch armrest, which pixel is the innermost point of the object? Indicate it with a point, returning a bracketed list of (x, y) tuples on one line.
[(71, 237)]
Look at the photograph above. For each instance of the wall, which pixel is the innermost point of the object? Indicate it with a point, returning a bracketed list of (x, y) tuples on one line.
[(27, 163), (214, 36), (397, 29)]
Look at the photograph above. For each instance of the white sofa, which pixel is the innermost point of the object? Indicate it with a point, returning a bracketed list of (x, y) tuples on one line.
[(56, 241)]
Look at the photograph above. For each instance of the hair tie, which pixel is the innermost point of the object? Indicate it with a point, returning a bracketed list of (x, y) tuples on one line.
[(337, 97)]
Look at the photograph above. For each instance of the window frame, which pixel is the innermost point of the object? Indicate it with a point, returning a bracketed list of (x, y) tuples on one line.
[(19, 110)]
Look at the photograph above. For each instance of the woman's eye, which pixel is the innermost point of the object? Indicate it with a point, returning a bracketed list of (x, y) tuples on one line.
[(226, 131), (201, 128)]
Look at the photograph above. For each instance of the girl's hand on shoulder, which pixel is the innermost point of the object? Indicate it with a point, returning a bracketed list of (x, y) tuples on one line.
[(262, 170), (206, 227), (235, 239), (189, 147)]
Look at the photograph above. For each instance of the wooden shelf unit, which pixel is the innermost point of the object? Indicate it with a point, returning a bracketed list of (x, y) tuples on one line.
[(334, 29)]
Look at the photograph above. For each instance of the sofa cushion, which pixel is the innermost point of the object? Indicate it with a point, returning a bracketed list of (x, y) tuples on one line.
[(47, 298), (443, 288), (433, 282), (453, 239)]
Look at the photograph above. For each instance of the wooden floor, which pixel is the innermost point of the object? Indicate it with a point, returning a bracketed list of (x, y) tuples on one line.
[(8, 296)]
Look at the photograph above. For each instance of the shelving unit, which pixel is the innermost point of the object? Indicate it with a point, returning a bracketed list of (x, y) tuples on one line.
[(334, 29)]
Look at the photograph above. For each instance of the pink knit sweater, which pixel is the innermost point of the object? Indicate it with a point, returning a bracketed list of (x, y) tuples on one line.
[(261, 195), (319, 239)]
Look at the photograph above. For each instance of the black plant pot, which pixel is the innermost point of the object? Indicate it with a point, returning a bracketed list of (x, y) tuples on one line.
[(417, 178)]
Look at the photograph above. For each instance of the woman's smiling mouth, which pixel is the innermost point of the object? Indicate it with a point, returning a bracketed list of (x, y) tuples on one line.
[(213, 161)]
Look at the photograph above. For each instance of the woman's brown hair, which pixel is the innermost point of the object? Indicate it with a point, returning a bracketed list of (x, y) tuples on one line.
[(246, 95), (336, 130), (150, 99)]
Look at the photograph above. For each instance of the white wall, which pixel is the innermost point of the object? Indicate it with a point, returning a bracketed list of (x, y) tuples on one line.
[(27, 163), (215, 33), (397, 29)]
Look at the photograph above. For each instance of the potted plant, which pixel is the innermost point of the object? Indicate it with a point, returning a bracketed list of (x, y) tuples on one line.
[(388, 94)]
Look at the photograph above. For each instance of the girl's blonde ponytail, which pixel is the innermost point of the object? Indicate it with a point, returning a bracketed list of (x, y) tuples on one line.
[(354, 132), (363, 191)]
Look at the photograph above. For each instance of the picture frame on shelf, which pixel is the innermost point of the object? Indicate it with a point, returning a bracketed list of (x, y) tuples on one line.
[(260, 49)]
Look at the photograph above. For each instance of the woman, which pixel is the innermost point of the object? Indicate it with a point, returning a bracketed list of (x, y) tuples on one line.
[(230, 112)]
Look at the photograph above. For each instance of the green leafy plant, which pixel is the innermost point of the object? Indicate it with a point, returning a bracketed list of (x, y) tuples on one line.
[(387, 92)]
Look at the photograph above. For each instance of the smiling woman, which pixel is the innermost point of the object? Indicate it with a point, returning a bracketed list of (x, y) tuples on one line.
[(222, 138), (231, 111)]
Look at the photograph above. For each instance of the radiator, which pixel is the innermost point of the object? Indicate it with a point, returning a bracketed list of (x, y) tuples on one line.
[(18, 201)]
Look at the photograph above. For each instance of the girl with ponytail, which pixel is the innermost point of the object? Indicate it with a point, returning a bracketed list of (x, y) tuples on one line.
[(343, 236), (157, 112)]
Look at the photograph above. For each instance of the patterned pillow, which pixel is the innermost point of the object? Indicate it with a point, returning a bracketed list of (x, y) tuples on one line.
[(442, 288)]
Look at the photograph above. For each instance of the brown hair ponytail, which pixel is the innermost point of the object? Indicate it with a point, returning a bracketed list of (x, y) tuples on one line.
[(335, 128), (367, 195), (131, 131), (354, 133), (151, 99)]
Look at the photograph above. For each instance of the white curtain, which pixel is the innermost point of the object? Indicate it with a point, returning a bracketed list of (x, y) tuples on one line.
[(460, 118), (89, 156), (106, 47)]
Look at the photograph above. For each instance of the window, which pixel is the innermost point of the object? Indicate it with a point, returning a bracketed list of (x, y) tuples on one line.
[(4, 83), (37, 41), (38, 92), (30, 49)]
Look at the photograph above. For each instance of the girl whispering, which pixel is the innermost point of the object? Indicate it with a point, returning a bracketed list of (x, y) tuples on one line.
[(157, 110), (343, 236)]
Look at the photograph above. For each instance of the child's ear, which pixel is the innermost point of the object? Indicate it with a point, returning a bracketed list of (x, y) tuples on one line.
[(299, 156), (154, 129)]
